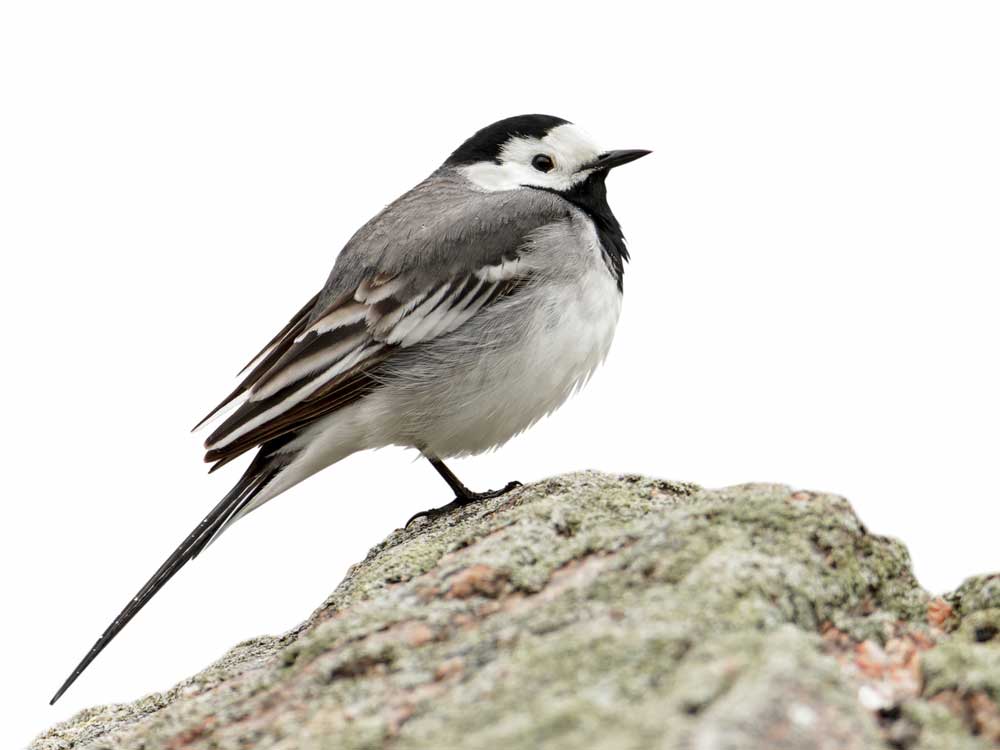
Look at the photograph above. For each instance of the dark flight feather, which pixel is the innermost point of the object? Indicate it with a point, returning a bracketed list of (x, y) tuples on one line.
[(281, 343)]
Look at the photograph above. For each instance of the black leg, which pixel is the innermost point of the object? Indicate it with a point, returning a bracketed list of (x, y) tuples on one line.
[(463, 495)]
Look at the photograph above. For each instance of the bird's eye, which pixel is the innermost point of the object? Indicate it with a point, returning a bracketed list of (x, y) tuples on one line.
[(543, 163)]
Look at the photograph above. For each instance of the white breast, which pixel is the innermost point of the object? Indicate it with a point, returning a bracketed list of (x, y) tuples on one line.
[(511, 365)]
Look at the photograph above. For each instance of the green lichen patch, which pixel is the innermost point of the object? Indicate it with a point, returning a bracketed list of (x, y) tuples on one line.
[(976, 593), (963, 666)]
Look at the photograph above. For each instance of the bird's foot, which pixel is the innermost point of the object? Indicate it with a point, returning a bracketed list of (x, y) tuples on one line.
[(466, 498)]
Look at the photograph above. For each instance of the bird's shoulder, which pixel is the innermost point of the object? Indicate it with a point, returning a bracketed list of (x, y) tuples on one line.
[(444, 227)]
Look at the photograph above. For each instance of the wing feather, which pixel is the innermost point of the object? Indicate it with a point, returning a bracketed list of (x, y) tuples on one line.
[(325, 366), (266, 357), (310, 356)]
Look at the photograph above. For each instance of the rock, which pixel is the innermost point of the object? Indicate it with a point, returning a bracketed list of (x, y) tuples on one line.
[(594, 611)]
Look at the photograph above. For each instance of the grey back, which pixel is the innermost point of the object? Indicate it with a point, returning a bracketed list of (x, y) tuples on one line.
[(444, 227)]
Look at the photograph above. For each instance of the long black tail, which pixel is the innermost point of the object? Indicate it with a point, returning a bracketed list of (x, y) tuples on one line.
[(257, 476)]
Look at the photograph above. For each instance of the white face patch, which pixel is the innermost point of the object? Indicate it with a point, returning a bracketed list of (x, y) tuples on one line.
[(568, 146)]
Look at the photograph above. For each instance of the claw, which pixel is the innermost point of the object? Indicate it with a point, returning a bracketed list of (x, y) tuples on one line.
[(458, 502), (433, 513)]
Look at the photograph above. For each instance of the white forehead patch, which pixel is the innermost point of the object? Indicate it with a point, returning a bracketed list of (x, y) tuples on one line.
[(568, 146)]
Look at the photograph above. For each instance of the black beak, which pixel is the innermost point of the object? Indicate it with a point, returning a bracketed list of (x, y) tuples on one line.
[(610, 159)]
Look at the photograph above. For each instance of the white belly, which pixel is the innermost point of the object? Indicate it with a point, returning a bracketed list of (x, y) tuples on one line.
[(475, 391)]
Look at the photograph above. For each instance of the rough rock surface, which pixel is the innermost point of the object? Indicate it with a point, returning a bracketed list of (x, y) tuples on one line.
[(595, 611)]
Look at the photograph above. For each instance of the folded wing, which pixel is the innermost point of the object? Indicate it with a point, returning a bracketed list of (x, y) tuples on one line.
[(322, 360)]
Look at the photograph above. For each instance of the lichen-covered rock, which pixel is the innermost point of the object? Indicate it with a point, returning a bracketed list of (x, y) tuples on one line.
[(593, 611)]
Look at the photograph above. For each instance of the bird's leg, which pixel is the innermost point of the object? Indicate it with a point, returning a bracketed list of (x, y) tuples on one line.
[(463, 495)]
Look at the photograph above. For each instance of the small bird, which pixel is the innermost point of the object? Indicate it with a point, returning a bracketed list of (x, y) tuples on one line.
[(466, 310)]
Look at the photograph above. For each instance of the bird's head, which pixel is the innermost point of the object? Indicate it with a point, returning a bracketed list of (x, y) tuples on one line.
[(536, 151)]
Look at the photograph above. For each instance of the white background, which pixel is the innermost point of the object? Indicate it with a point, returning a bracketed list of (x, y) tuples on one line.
[(812, 298)]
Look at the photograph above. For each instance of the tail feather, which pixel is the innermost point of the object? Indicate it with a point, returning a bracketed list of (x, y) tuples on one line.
[(257, 476)]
